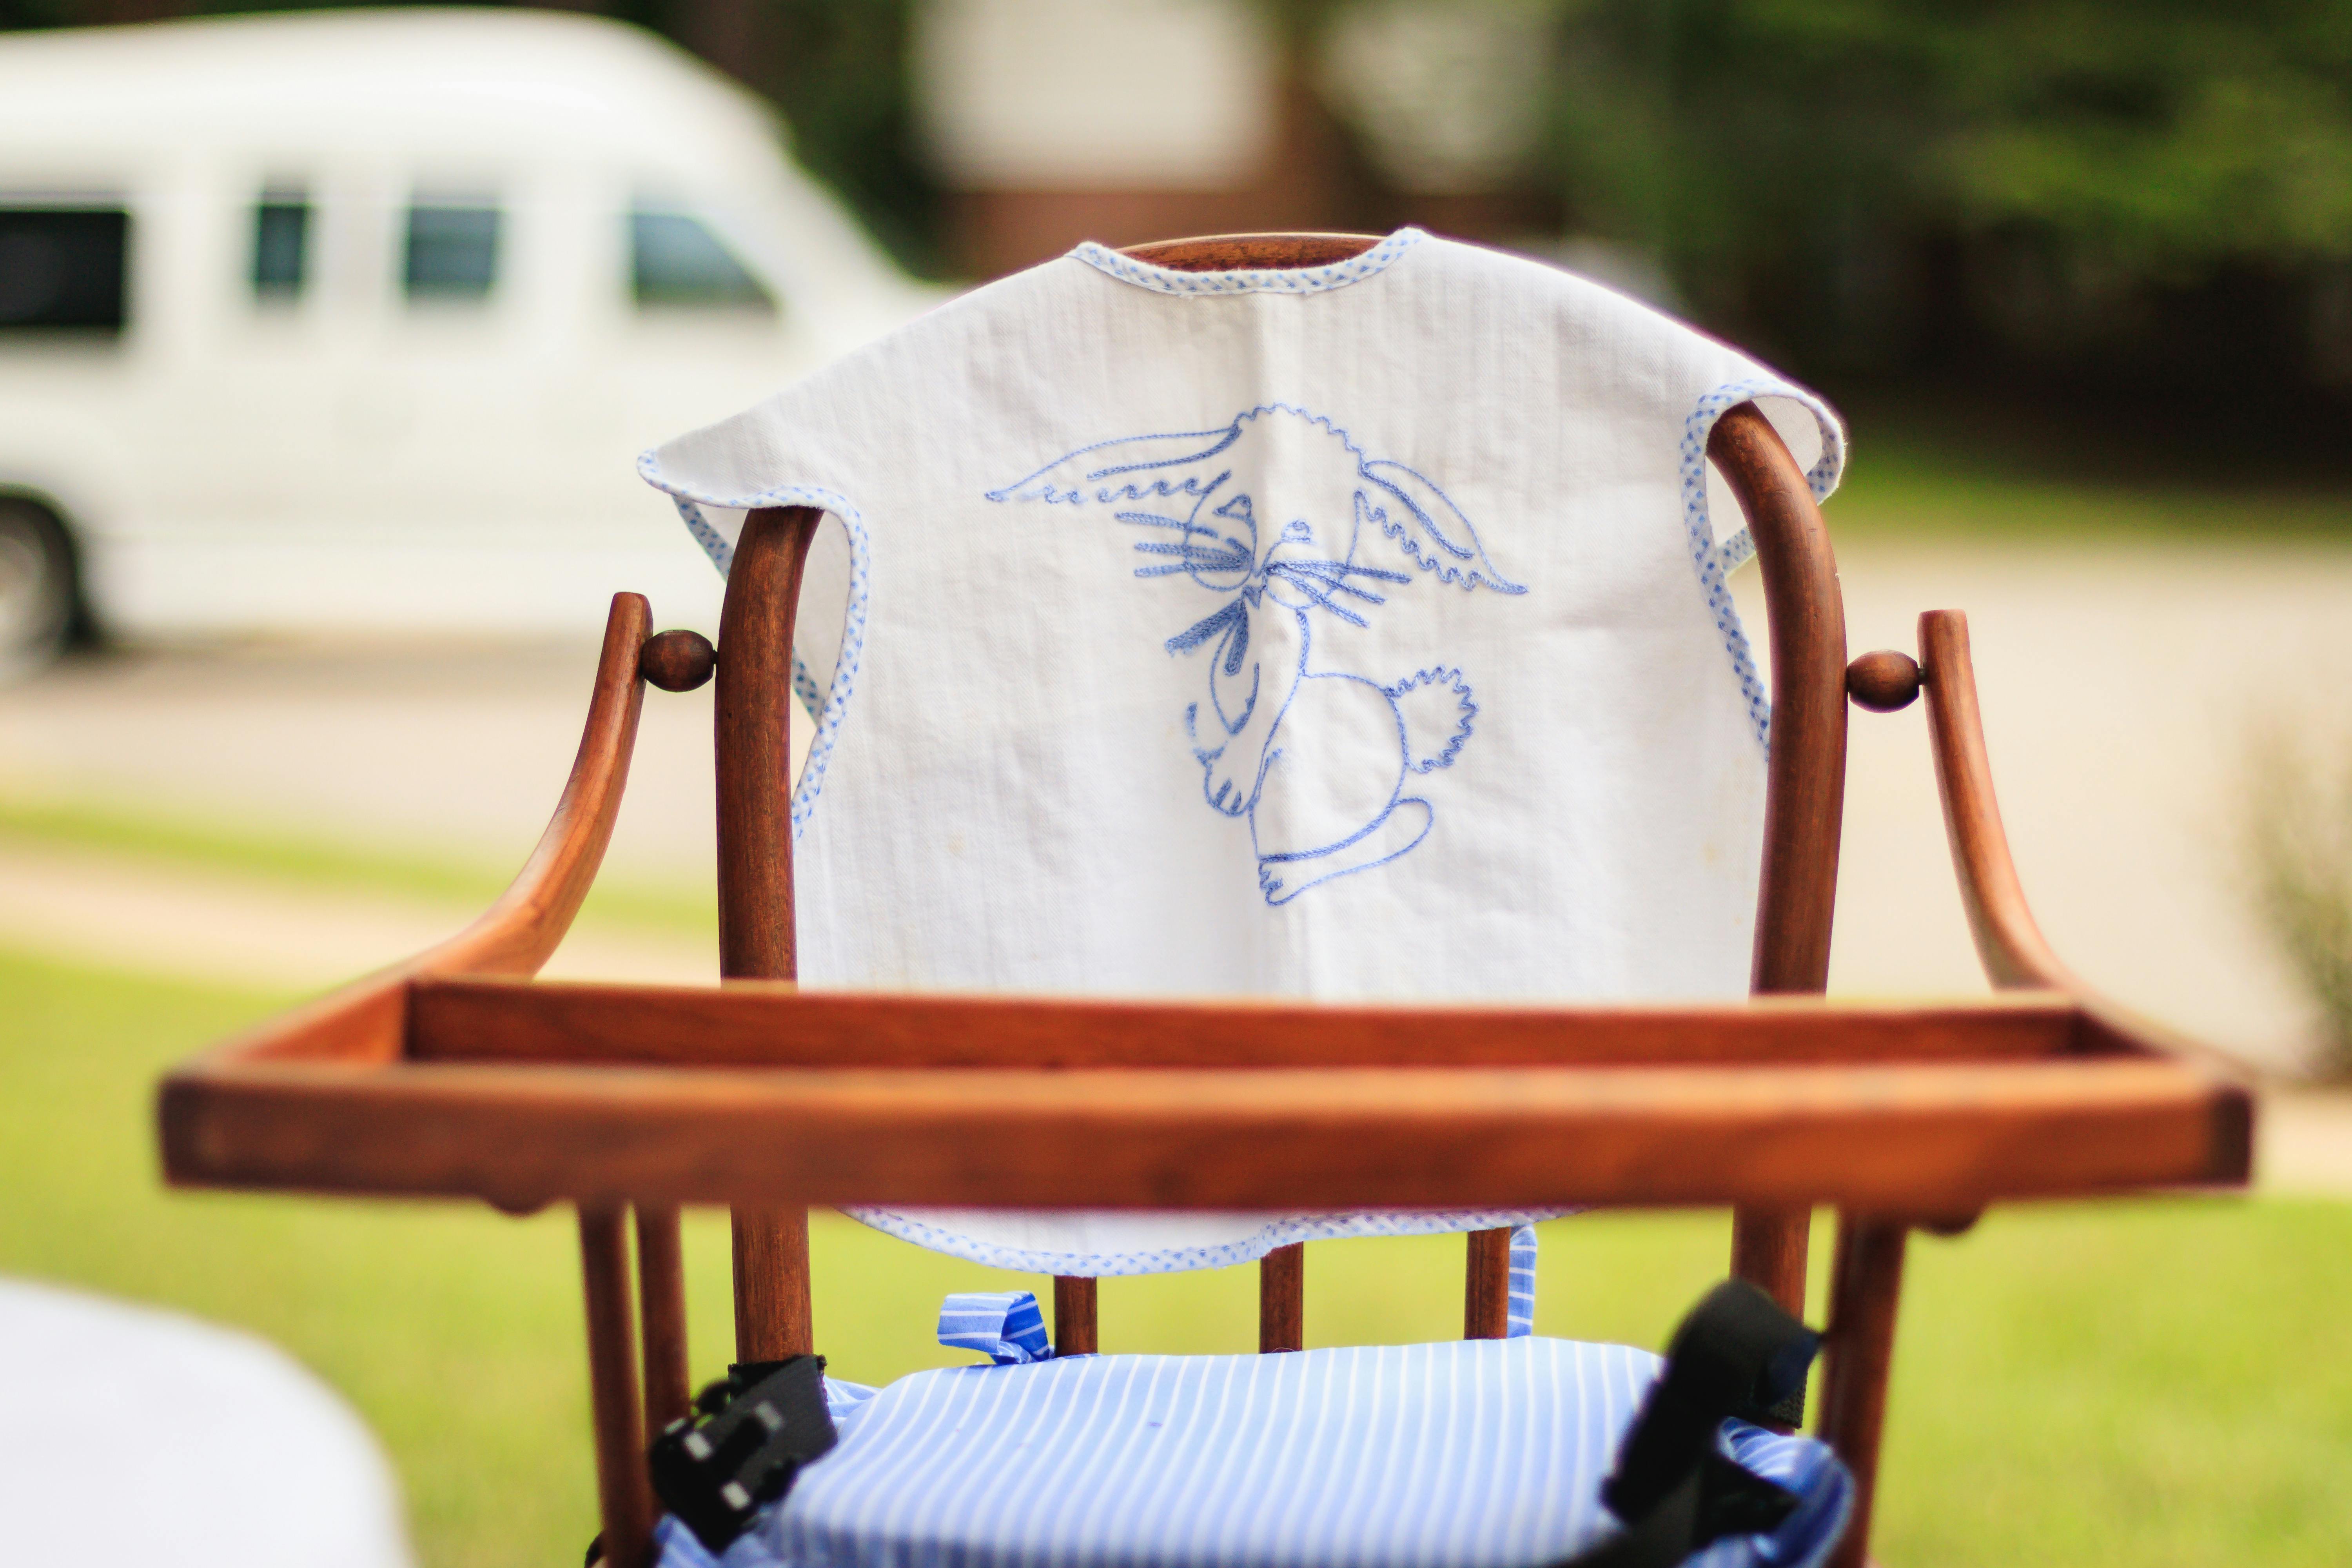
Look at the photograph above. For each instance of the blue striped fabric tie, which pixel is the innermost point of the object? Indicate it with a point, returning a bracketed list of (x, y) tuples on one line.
[(1005, 1326), (1523, 1283)]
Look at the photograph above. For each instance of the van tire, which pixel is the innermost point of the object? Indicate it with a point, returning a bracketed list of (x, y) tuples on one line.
[(40, 597)]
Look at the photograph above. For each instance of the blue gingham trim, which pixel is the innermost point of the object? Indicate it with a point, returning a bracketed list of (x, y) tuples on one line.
[(833, 707), (1278, 1231), (1264, 280), (1716, 562), (1005, 1326)]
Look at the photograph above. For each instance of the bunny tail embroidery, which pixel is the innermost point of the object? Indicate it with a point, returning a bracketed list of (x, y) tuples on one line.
[(1436, 709), (1291, 526)]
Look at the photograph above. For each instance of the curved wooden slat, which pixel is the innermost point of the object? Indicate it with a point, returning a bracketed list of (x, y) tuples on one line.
[(1805, 789), (1804, 794), (366, 1019), (2009, 942), (1252, 252), (752, 717)]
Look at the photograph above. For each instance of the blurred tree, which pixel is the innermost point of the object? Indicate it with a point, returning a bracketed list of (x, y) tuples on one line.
[(1805, 158), (1882, 184), (838, 68)]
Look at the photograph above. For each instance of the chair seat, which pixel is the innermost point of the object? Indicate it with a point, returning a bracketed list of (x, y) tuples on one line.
[(1467, 1454)]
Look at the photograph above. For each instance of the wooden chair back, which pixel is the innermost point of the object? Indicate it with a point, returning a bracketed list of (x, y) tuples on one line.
[(1805, 804)]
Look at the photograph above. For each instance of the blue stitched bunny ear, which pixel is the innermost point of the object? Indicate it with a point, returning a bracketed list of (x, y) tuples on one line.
[(1422, 522), (1129, 470)]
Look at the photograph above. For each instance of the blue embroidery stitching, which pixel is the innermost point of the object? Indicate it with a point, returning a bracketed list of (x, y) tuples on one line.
[(833, 707), (1276, 569), (1264, 280), (1716, 562)]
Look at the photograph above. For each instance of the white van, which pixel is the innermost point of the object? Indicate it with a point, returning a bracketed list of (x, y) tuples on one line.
[(357, 321)]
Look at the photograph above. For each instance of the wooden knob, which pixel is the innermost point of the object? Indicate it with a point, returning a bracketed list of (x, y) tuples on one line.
[(1883, 682), (678, 661)]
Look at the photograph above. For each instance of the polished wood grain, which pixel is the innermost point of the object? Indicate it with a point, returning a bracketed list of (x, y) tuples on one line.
[(1282, 1300), (752, 1025), (1804, 797), (752, 746), (1805, 782), (1883, 681), (1865, 1293), (1913, 1137), (624, 1492), (661, 1314), (751, 716), (1768, 1250), (775, 1317), (678, 661), (1075, 1329), (1252, 252), (2009, 940), (1486, 1285)]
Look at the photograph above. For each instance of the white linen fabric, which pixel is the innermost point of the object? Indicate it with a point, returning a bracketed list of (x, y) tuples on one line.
[(1462, 1454), (1348, 632)]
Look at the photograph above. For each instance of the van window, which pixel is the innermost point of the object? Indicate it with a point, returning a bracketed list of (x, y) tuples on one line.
[(674, 259), (63, 267), (453, 251), (281, 245)]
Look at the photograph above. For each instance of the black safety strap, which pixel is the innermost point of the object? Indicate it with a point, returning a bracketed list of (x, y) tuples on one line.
[(749, 1436), (1739, 1355)]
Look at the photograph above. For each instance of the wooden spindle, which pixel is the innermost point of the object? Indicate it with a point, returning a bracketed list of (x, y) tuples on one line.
[(1486, 1285), (624, 1492), (773, 1311), (775, 1318), (1863, 1296), (1804, 793), (1073, 1315), (1768, 1250), (661, 1311), (1282, 1299)]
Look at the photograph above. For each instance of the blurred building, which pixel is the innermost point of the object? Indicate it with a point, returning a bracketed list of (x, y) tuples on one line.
[(1049, 122)]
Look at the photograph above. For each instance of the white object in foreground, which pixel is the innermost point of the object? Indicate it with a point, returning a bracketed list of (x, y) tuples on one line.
[(132, 1436)]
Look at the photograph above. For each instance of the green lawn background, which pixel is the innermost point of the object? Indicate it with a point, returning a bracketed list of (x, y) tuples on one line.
[(2152, 1382)]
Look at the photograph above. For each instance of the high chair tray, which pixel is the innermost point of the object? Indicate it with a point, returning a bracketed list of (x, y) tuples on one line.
[(524, 1092)]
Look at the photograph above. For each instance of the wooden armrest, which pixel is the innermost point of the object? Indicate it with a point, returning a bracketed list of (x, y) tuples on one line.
[(2015, 953), (367, 1019)]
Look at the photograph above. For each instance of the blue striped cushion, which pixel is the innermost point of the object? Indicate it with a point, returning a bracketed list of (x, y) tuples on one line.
[(1477, 1453)]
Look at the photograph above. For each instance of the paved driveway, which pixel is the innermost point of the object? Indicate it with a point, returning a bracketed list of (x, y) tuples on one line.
[(2119, 687)]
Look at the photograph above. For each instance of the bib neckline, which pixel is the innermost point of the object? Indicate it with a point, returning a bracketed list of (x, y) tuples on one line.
[(1255, 280)]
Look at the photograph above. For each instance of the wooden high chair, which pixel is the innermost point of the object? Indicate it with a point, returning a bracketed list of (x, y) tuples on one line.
[(454, 1074)]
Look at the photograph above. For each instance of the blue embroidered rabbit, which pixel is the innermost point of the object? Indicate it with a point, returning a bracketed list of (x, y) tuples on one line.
[(1292, 526)]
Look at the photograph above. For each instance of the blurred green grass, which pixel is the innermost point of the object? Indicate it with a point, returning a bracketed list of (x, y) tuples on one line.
[(55, 821), (2160, 1381)]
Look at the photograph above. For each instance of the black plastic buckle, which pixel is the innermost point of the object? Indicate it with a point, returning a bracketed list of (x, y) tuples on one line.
[(1737, 1354), (752, 1432)]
